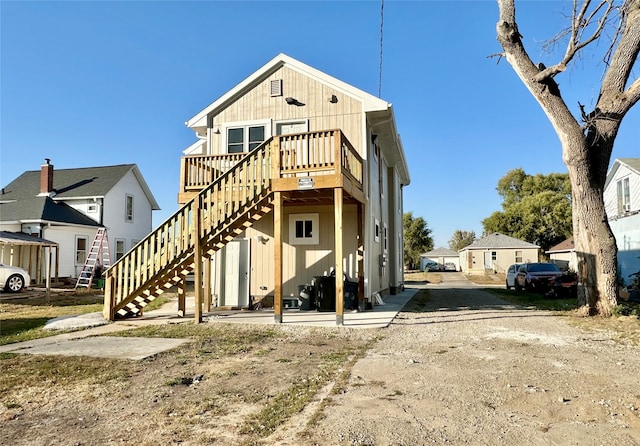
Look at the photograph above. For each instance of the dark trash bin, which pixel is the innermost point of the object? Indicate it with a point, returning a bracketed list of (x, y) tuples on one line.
[(350, 295), (306, 296), (325, 292)]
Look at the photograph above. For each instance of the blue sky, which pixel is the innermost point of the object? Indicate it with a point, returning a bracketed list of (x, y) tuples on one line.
[(89, 83)]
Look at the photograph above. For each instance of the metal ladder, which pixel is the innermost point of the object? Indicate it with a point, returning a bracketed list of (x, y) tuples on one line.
[(98, 255)]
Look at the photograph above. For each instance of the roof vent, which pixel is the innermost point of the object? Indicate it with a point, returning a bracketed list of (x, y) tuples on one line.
[(276, 88)]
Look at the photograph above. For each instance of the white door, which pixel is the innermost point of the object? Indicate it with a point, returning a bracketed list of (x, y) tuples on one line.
[(488, 263), (236, 273)]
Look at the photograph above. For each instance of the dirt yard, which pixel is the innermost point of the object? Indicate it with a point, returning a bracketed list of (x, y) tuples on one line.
[(462, 367)]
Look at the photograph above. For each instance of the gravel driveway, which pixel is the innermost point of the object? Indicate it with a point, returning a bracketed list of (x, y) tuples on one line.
[(472, 369)]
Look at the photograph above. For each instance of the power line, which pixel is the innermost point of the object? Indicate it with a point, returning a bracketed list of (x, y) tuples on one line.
[(381, 26)]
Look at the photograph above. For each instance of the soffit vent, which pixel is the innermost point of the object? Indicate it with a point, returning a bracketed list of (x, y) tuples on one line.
[(276, 87)]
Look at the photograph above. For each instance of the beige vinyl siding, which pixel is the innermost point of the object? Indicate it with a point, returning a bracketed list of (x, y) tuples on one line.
[(301, 262), (504, 258), (258, 104)]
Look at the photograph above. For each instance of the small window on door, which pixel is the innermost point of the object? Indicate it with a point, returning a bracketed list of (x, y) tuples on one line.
[(81, 250), (304, 229)]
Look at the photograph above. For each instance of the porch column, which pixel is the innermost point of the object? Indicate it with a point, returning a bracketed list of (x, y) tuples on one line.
[(277, 257), (360, 257), (337, 205)]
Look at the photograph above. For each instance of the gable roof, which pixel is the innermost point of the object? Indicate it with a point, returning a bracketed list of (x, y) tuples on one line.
[(86, 182), (370, 103), (440, 252), (632, 163), (567, 245), (379, 112), (499, 241)]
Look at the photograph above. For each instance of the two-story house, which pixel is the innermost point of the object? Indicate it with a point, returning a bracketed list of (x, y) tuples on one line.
[(622, 204), (68, 206), (295, 175)]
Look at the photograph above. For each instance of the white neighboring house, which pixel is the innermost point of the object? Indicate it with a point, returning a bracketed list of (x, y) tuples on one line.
[(564, 255), (622, 204), (69, 205), (440, 256)]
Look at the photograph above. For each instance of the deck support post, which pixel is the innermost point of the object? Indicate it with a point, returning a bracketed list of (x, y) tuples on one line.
[(197, 259), (277, 267), (338, 205), (182, 294), (109, 301), (360, 256), (207, 284)]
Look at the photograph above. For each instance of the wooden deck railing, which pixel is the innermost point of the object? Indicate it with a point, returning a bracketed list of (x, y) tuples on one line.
[(301, 154)]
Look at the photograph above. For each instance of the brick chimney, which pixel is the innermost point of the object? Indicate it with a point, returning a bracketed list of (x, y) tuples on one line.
[(46, 178)]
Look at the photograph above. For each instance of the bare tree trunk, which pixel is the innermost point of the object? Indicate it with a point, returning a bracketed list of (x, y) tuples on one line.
[(594, 241)]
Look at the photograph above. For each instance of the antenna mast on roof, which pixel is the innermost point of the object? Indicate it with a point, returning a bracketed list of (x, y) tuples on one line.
[(381, 25)]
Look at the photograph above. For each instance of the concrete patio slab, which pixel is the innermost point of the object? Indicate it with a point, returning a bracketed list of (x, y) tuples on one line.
[(105, 347)]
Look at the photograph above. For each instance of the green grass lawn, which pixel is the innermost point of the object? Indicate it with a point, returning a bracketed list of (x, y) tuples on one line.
[(24, 318)]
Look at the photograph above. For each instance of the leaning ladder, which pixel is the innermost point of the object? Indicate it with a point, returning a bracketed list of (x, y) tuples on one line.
[(99, 252)]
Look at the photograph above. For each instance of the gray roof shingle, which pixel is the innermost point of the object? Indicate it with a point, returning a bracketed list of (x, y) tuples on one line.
[(499, 241), (67, 183), (43, 209)]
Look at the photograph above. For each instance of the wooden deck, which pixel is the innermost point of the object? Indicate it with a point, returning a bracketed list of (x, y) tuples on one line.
[(222, 195), (301, 162)]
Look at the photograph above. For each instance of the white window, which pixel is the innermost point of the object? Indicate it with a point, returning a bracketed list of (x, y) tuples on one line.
[(128, 208), (304, 229), (244, 138), (92, 207), (624, 197), (518, 257), (120, 248), (384, 237), (377, 230), (81, 250)]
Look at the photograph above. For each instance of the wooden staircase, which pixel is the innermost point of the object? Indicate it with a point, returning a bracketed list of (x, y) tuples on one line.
[(228, 194), (227, 206)]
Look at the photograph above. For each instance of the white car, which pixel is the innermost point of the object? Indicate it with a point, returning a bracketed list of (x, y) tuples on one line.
[(13, 279), (510, 278)]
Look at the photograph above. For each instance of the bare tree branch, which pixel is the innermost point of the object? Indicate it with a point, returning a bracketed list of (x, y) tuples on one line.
[(623, 60), (578, 27)]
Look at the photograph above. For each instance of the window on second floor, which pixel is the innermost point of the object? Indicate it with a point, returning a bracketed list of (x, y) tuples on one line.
[(624, 196), (128, 211), (244, 138)]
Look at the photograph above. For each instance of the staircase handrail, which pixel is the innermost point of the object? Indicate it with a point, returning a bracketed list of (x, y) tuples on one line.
[(173, 238)]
